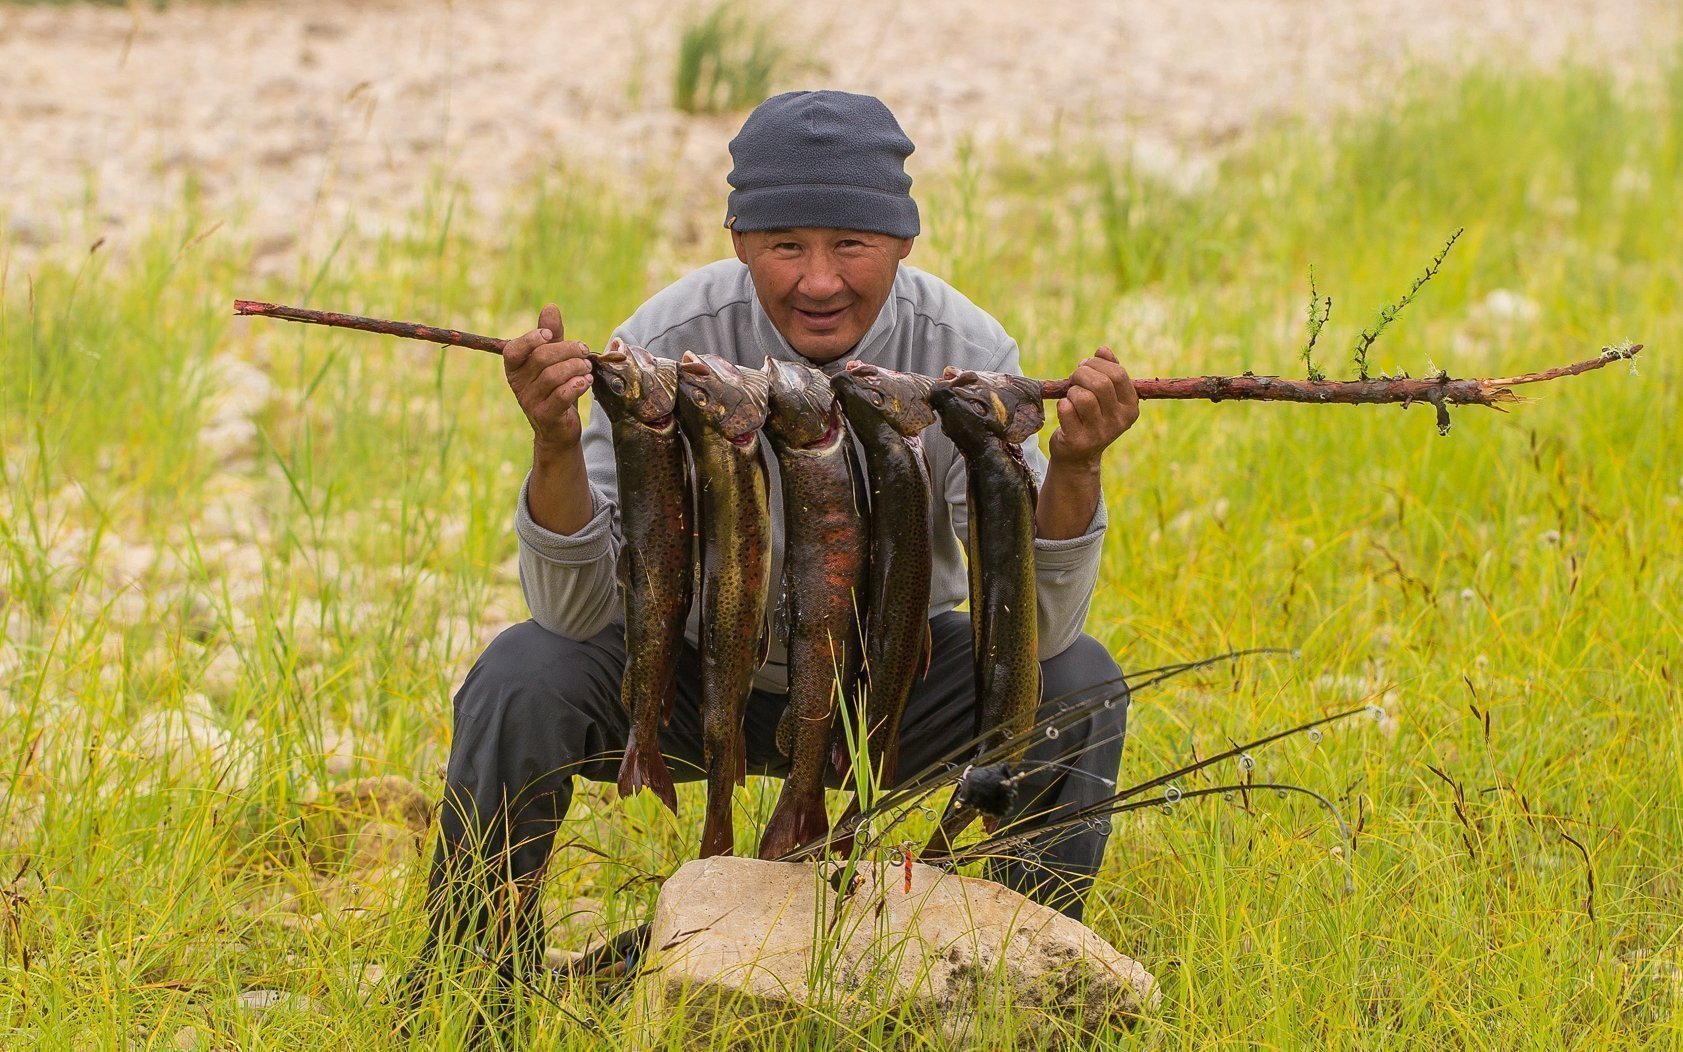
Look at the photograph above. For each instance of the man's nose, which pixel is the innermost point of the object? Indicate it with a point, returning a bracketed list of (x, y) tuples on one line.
[(821, 277)]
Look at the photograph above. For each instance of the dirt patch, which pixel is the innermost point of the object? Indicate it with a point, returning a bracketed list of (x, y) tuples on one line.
[(293, 116)]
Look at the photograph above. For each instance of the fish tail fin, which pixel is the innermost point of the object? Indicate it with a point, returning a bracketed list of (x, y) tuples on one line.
[(793, 822), (647, 770), (717, 835), (841, 758), (888, 768)]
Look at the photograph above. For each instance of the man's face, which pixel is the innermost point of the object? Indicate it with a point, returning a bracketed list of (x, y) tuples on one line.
[(821, 287)]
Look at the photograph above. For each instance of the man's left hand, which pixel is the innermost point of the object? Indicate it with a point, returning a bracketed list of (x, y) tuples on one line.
[(1100, 405)]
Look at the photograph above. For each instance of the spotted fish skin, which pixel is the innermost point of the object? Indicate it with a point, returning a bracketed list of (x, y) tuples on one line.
[(720, 410), (638, 392), (825, 550), (887, 410), (988, 416)]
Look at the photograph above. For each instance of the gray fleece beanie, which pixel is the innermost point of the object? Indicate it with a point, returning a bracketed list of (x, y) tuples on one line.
[(821, 158)]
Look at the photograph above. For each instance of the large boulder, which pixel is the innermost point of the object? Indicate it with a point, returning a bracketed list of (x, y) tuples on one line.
[(740, 948)]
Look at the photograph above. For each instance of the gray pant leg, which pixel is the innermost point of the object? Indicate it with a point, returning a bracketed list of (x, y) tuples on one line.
[(1058, 868), (535, 710), (941, 713)]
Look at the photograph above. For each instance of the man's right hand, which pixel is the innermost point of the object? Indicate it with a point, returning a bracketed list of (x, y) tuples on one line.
[(548, 373)]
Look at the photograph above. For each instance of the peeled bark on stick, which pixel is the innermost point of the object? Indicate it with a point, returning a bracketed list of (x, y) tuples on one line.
[(1440, 391)]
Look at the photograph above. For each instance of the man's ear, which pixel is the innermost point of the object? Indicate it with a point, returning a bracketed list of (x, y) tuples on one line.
[(741, 248), (905, 246)]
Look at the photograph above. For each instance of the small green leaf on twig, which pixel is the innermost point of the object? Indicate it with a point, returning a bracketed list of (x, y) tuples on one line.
[(1319, 311), (1388, 314)]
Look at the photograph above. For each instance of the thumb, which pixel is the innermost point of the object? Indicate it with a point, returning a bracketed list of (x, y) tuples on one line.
[(550, 318)]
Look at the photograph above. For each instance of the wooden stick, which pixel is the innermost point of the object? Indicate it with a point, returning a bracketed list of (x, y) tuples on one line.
[(1438, 391), (1490, 392), (407, 330)]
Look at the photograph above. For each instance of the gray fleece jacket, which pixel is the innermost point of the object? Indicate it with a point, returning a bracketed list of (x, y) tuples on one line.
[(926, 324)]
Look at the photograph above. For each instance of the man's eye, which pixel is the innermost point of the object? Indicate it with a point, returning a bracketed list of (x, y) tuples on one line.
[(786, 246)]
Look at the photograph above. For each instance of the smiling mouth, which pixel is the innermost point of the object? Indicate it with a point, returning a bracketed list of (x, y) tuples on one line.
[(821, 316)]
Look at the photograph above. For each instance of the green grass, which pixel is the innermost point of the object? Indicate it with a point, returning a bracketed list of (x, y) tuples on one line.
[(729, 57), (308, 586)]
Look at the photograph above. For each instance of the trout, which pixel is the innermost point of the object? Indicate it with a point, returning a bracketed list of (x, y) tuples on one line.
[(824, 558), (638, 392), (721, 409), (988, 416), (887, 410)]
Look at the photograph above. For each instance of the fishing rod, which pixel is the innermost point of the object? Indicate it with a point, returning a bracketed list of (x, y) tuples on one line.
[(982, 772)]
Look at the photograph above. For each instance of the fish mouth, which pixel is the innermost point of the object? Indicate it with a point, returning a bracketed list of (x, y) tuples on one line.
[(832, 431), (744, 439)]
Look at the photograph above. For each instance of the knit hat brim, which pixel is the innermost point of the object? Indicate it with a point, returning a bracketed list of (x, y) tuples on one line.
[(823, 205)]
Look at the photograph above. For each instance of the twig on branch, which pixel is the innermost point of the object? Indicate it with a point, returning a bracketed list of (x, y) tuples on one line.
[(1388, 314), (1439, 391)]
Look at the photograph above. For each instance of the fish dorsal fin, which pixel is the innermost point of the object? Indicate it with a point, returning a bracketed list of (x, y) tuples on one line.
[(764, 649), (928, 649)]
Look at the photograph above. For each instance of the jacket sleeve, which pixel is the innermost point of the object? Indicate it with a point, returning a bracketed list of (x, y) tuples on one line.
[(1065, 571), (570, 582)]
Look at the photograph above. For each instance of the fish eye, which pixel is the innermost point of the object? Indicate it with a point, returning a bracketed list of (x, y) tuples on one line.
[(978, 408), (616, 383), (876, 399), (698, 396)]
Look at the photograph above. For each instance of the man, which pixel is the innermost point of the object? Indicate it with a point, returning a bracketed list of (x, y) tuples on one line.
[(821, 217)]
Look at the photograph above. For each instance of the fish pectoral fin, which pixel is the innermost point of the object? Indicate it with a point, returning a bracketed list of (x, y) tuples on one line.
[(928, 649), (786, 727), (764, 646)]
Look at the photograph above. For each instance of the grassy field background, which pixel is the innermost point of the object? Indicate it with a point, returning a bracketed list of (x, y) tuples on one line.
[(244, 563)]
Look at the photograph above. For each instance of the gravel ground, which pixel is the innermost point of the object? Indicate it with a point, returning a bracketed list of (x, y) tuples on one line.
[(291, 115)]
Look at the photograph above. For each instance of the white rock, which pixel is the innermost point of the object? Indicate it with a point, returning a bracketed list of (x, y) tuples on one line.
[(733, 938), (265, 1000), (185, 743), (222, 673)]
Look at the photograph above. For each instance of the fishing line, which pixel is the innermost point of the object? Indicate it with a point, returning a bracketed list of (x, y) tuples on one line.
[(898, 803)]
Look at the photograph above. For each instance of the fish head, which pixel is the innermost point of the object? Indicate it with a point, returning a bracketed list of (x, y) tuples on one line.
[(803, 409), (720, 396), (999, 405), (902, 399), (631, 383)]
